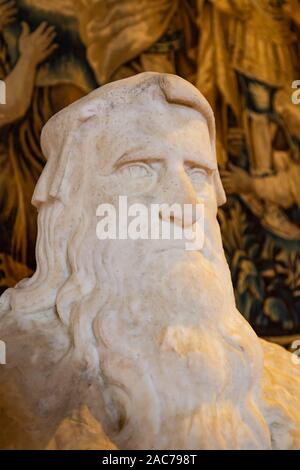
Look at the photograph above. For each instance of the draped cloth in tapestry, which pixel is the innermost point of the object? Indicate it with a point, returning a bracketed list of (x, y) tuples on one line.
[(21, 162)]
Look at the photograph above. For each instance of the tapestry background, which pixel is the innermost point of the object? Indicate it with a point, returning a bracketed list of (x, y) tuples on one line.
[(242, 54)]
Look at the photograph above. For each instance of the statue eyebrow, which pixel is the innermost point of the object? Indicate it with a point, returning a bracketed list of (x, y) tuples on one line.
[(135, 158), (126, 157), (203, 166)]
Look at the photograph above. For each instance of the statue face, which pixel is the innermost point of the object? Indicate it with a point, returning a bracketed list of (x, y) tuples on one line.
[(154, 155)]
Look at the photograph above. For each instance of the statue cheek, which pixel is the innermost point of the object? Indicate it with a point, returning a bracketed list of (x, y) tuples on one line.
[(206, 193), (130, 186)]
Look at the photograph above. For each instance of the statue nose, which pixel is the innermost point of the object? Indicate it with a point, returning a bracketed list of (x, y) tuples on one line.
[(182, 200)]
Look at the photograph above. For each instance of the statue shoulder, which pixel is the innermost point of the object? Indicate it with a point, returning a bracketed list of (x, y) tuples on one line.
[(281, 385), (35, 380), (81, 431)]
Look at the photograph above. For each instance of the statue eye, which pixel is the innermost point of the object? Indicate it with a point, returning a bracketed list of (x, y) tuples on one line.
[(136, 170), (198, 176)]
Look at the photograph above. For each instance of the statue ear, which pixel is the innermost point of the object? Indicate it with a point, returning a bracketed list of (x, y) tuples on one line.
[(61, 146)]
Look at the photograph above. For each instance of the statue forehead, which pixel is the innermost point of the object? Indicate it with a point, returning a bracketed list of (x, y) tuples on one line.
[(140, 106), (148, 116), (160, 130), (143, 128)]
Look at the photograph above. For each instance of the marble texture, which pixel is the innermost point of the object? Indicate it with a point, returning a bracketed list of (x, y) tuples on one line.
[(136, 344)]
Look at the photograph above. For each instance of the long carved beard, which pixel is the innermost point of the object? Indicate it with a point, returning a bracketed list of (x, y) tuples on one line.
[(180, 366)]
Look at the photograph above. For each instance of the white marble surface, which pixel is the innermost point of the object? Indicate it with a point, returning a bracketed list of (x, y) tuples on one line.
[(135, 344)]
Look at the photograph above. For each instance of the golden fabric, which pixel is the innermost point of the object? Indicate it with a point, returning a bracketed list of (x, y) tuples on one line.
[(215, 75), (252, 37), (262, 44), (116, 32)]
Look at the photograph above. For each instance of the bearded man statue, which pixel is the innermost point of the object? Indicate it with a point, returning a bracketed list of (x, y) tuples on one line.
[(136, 343)]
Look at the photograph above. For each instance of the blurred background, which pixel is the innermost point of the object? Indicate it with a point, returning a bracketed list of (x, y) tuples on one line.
[(243, 55)]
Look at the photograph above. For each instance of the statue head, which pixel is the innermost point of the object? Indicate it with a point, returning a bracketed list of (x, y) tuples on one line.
[(146, 316), (150, 137)]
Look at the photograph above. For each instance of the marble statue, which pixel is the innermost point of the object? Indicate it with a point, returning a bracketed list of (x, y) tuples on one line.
[(136, 344)]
